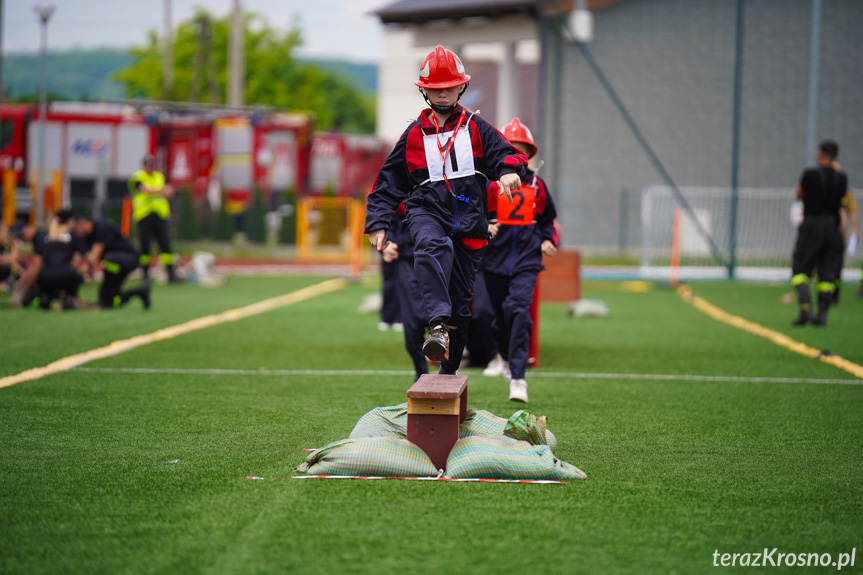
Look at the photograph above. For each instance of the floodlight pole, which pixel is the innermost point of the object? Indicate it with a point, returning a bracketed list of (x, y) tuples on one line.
[(812, 92), (735, 138), (44, 13), (1, 52)]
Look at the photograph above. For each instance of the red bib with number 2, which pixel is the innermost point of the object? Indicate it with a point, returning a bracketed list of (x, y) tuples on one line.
[(519, 211)]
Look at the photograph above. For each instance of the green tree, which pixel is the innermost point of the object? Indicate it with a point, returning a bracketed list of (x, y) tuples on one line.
[(273, 76), (223, 227), (189, 228)]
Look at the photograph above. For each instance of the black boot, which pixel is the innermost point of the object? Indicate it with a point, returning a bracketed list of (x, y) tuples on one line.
[(436, 346), (802, 319), (805, 299), (144, 294), (458, 340), (142, 291), (825, 298)]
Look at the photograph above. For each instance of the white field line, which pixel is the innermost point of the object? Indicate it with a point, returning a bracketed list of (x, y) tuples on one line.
[(124, 345), (400, 373)]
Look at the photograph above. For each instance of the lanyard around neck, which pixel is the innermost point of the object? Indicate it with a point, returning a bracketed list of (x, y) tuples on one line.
[(444, 152)]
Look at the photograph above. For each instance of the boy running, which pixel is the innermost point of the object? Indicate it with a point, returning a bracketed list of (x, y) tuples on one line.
[(438, 169), (523, 230)]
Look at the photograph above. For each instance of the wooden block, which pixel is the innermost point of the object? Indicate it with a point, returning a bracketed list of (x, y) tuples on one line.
[(434, 406), (434, 434), (437, 404), (433, 386)]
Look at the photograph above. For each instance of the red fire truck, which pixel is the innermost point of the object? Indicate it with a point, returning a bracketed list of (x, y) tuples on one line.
[(89, 143), (220, 155), (345, 164)]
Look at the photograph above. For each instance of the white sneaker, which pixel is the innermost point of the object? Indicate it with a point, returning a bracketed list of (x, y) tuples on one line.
[(494, 367), (505, 372), (400, 327), (518, 390), (383, 326)]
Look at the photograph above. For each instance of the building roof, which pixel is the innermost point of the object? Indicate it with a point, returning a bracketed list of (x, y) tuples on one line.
[(417, 11), (408, 11)]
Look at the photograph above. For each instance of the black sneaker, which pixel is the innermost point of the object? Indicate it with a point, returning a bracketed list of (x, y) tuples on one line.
[(436, 347), (804, 318), (820, 321), (144, 292)]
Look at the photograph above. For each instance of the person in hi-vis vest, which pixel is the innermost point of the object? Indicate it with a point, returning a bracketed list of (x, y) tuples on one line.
[(151, 209)]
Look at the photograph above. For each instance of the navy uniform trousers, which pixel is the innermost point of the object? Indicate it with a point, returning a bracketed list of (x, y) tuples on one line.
[(445, 270), (510, 298), (117, 265), (413, 313)]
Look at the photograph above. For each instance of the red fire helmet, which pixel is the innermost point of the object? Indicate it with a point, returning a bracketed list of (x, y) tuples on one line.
[(515, 131), (442, 69)]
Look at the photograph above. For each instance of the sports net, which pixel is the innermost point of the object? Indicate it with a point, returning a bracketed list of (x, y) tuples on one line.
[(705, 95), (765, 234)]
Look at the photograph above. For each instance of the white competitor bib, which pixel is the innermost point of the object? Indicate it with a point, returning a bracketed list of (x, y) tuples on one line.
[(459, 161)]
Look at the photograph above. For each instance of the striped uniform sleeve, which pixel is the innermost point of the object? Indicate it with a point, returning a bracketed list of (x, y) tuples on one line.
[(500, 156), (391, 187), (493, 191)]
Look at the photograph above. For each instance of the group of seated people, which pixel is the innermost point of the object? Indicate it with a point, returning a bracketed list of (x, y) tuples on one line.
[(46, 268)]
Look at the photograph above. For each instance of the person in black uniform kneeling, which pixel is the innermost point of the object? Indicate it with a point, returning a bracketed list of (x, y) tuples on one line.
[(61, 253), (106, 245)]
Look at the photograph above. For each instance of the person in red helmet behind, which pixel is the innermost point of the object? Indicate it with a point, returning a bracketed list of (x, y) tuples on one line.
[(439, 169), (522, 231)]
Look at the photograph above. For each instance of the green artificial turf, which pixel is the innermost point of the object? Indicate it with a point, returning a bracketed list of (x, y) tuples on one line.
[(120, 472)]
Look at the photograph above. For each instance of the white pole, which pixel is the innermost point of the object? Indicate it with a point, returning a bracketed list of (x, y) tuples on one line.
[(235, 92), (507, 85), (167, 54), (44, 13)]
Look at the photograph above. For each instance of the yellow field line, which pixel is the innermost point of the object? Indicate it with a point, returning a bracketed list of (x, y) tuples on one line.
[(776, 337), (124, 345)]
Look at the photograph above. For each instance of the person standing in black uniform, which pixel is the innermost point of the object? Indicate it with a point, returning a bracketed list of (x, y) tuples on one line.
[(819, 244), (118, 257)]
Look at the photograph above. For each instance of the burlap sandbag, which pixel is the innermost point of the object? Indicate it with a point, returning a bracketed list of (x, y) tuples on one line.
[(489, 458), (375, 456), (383, 422), (485, 423)]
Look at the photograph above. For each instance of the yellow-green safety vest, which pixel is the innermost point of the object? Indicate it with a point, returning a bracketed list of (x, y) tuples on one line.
[(144, 204)]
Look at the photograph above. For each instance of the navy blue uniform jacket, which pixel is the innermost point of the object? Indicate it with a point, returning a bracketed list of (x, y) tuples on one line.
[(519, 248), (408, 177)]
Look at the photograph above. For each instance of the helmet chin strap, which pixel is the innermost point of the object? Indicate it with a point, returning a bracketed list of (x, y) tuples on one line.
[(444, 109)]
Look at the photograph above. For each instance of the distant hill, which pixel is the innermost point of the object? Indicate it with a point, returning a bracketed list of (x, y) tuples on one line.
[(72, 74), (85, 74), (364, 76)]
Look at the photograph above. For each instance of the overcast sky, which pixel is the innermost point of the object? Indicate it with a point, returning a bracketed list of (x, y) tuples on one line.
[(331, 28)]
